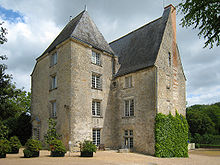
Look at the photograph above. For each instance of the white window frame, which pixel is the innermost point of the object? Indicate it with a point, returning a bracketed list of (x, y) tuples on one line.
[(96, 136), (96, 81), (53, 59), (96, 58), (129, 107), (53, 109), (128, 139), (128, 82), (96, 108), (53, 81)]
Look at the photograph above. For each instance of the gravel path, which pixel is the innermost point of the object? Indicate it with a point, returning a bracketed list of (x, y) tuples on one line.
[(112, 158)]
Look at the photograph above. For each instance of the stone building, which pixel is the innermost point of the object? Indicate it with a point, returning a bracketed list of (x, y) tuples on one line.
[(109, 92)]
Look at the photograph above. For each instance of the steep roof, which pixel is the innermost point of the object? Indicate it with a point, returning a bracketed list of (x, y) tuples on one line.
[(83, 29), (139, 49)]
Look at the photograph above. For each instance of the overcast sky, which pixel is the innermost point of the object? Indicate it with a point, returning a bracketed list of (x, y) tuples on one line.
[(33, 24)]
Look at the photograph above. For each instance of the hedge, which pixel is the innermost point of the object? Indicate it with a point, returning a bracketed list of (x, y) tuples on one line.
[(171, 136)]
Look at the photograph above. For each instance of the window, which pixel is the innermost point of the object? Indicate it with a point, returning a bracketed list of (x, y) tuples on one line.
[(53, 59), (54, 109), (169, 59), (96, 136), (96, 81), (96, 108), (128, 139), (36, 133), (129, 108), (128, 82), (96, 58), (53, 82)]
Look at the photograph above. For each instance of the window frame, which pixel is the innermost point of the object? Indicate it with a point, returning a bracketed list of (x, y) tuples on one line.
[(96, 58), (53, 109), (53, 81), (96, 108), (53, 60), (96, 136), (129, 108), (129, 139), (128, 82), (96, 81)]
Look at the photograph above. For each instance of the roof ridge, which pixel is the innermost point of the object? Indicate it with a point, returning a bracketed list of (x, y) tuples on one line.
[(135, 30)]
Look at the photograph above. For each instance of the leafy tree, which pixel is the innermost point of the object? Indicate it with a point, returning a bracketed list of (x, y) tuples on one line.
[(204, 15)]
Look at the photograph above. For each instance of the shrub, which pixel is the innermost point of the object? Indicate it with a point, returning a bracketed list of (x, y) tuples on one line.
[(87, 146), (15, 144), (32, 148), (57, 148), (171, 136), (51, 132), (4, 147)]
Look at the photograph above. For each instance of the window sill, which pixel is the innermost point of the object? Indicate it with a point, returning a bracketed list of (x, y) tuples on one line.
[(97, 88), (97, 117), (96, 64), (53, 117), (128, 87), (52, 65), (127, 117), (52, 89)]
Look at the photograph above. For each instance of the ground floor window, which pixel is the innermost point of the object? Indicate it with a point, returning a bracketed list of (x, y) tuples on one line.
[(36, 133), (128, 139), (96, 136)]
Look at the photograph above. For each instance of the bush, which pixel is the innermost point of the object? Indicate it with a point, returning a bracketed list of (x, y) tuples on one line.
[(171, 136), (51, 132), (87, 146), (57, 148), (4, 147), (33, 146), (15, 144)]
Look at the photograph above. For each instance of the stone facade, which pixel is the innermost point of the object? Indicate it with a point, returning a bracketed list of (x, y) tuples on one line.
[(159, 88)]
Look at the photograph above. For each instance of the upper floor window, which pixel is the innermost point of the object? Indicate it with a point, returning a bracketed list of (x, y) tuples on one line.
[(96, 81), (53, 82), (129, 108), (96, 108), (96, 58), (53, 59), (169, 59), (128, 82), (54, 109)]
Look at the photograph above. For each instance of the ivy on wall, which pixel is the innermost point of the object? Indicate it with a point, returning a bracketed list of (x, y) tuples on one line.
[(171, 136)]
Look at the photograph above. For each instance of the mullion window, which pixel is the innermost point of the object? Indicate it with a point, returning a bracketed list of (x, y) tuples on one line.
[(128, 138), (129, 108), (96, 81), (96, 58), (96, 108), (96, 136)]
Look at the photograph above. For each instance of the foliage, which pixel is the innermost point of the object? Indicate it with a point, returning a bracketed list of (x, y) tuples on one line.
[(4, 146), (15, 143), (56, 145), (33, 145), (204, 119), (51, 132), (27, 153), (3, 131), (171, 136), (206, 139), (204, 15), (3, 32), (87, 146)]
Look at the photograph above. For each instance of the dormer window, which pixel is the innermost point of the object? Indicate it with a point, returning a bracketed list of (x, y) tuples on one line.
[(96, 58), (53, 59)]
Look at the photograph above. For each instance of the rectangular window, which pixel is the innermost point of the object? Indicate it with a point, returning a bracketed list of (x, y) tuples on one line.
[(128, 139), (128, 82), (36, 133), (129, 108), (53, 59), (96, 58), (96, 108), (96, 136), (54, 109), (96, 81), (53, 82), (169, 59)]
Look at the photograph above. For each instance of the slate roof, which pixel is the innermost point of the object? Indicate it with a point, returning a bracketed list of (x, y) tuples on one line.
[(139, 49), (83, 29)]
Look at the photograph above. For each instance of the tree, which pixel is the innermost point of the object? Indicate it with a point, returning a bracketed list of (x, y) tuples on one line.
[(204, 15)]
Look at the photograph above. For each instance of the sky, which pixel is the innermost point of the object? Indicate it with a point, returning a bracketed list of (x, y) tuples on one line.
[(32, 25)]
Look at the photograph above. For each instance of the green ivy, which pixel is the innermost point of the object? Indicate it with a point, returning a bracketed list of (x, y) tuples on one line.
[(171, 136)]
